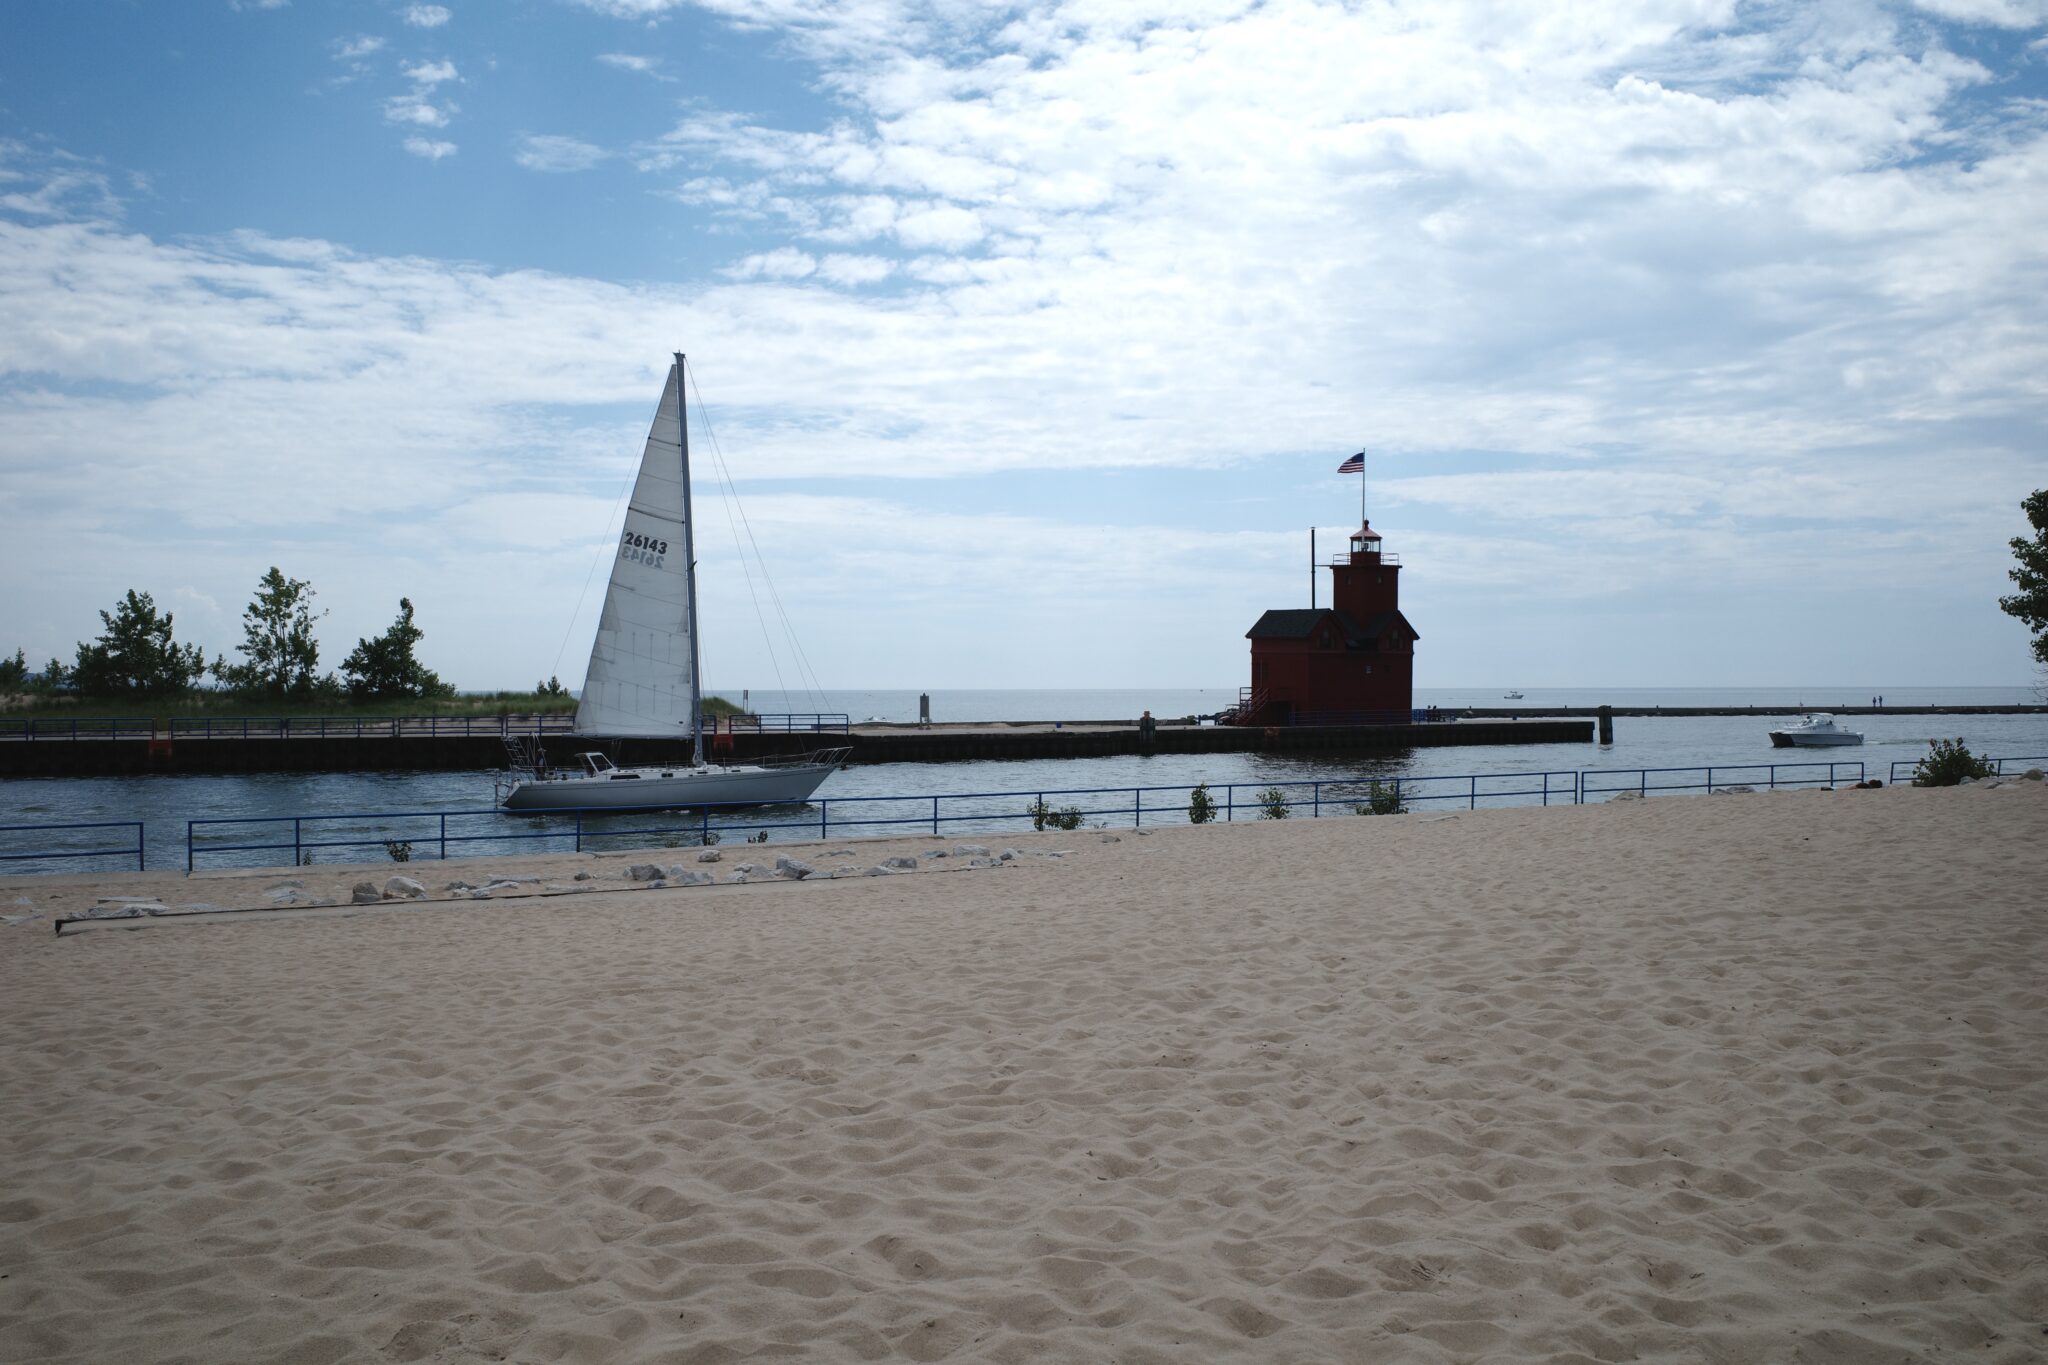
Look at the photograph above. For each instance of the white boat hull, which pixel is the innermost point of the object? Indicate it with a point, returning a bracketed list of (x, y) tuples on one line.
[(670, 788), (1793, 739)]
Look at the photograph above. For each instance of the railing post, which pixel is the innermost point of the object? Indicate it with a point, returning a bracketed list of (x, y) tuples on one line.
[(935, 816), (824, 818), (444, 836), (1473, 804), (1229, 803), (295, 842), (579, 831), (1137, 807), (188, 845), (139, 846), (1316, 802), (704, 829)]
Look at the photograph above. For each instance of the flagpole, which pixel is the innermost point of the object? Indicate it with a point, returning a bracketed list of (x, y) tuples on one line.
[(1361, 487)]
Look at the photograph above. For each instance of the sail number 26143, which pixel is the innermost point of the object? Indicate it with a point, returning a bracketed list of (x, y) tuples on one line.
[(642, 549)]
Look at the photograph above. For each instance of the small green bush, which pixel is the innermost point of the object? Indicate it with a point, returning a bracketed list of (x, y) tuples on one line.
[(1381, 799), (1947, 763), (1201, 806), (1045, 817), (400, 851), (1273, 804)]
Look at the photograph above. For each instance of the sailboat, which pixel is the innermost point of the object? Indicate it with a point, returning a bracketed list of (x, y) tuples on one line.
[(645, 667)]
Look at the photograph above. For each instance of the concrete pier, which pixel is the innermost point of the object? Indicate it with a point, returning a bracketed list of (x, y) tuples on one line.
[(869, 744)]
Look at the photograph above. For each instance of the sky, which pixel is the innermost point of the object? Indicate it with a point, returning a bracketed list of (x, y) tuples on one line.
[(1691, 342)]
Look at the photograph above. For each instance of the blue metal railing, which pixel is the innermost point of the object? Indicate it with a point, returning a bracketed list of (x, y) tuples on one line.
[(1775, 775), (792, 722), (80, 727), (50, 854), (824, 817), (1912, 765)]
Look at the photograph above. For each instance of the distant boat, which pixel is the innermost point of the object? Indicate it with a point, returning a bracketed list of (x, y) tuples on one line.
[(1512, 696), (643, 681), (1814, 732)]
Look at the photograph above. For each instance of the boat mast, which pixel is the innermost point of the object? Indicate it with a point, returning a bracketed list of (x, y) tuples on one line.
[(690, 572)]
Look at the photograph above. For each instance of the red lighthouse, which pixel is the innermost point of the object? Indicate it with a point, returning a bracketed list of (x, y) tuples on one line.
[(1350, 663)]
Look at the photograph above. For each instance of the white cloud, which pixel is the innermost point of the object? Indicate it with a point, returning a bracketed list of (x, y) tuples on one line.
[(428, 74), (546, 152), (783, 263), (429, 148), (1998, 13), (414, 110), (353, 49), (641, 66), (840, 268), (427, 16)]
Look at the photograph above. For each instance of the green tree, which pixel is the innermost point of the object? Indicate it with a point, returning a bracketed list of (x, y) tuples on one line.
[(282, 657), (135, 655), (2030, 603), (14, 672), (385, 668)]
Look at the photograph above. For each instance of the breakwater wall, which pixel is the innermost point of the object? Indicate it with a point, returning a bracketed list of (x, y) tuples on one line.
[(414, 753)]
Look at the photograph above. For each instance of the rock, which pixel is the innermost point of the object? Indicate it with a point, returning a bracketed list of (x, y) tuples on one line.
[(479, 894), (1143, 833), (1732, 791), (795, 869), (901, 863), (983, 862), (1009, 855), (581, 877), (365, 893), (709, 855), (284, 895), (878, 872), (840, 853), (644, 872), (2032, 775), (969, 851), (1626, 796), (129, 900), (1109, 839), (293, 885), (738, 876), (558, 888), (743, 867), (124, 911), (403, 888), (696, 878), (1967, 782), (460, 885), (933, 853)]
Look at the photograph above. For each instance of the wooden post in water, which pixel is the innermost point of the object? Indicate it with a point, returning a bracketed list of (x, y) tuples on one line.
[(1606, 724)]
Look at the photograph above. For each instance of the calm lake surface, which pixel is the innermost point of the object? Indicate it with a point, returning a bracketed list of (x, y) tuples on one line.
[(166, 803)]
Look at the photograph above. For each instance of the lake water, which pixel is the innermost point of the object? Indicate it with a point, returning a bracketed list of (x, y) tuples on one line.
[(165, 803)]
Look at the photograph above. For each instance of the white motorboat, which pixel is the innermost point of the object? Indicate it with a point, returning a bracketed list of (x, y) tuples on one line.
[(643, 681), (1511, 696), (1814, 732)]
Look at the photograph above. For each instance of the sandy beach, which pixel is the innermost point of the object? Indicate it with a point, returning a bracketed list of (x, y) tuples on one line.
[(1745, 1078)]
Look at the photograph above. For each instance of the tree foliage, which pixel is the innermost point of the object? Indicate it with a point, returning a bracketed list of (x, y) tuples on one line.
[(135, 655), (2030, 603), (14, 672), (386, 669), (282, 659)]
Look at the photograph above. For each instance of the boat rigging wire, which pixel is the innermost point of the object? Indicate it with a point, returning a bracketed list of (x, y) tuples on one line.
[(806, 676)]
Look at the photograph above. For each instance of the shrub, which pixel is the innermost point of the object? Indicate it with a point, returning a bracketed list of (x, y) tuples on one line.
[(400, 851), (1201, 805), (1273, 804), (760, 838), (1045, 817), (1947, 763), (1381, 799)]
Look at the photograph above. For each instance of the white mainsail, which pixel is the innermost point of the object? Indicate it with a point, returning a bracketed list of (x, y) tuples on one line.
[(640, 683)]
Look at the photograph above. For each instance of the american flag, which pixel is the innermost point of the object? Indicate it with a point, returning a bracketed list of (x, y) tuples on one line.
[(1354, 465)]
